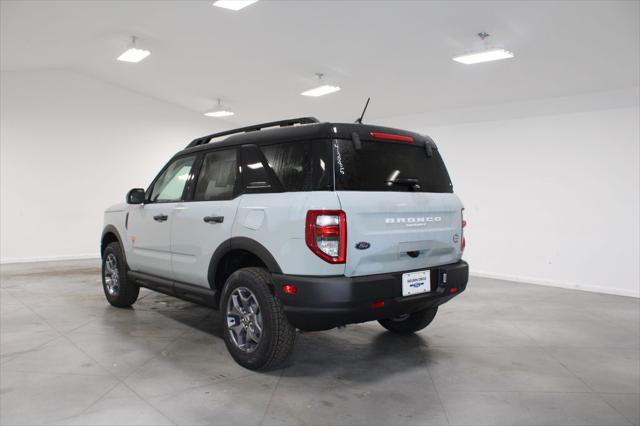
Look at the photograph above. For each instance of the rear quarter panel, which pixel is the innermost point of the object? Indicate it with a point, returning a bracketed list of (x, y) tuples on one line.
[(277, 221)]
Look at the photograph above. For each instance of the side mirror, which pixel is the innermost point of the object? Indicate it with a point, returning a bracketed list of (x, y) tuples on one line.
[(135, 196)]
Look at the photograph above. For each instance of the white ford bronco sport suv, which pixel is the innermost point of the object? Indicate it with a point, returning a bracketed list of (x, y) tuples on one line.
[(294, 224)]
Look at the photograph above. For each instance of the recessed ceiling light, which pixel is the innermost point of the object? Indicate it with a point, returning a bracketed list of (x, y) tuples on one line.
[(219, 111), (322, 89), (487, 54), (234, 4), (133, 54)]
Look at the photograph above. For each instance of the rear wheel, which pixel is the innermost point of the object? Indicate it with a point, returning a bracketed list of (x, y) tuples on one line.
[(118, 289), (410, 323), (257, 334)]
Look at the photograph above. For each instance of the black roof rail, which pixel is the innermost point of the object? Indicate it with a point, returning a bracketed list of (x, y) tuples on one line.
[(282, 123)]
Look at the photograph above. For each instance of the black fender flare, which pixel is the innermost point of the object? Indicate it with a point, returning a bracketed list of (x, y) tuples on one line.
[(246, 244), (113, 230)]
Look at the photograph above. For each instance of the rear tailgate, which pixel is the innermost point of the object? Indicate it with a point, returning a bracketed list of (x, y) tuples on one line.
[(400, 231), (400, 208)]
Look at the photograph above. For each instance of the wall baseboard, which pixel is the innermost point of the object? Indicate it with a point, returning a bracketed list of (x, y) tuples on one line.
[(481, 274), (558, 284), (48, 258)]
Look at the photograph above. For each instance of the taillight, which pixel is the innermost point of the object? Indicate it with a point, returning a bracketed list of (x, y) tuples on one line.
[(463, 242), (326, 234)]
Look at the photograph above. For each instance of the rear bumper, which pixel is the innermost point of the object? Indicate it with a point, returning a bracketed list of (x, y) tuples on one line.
[(322, 303)]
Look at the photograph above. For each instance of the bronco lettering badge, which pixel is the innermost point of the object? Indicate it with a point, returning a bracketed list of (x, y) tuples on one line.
[(422, 219), (413, 221)]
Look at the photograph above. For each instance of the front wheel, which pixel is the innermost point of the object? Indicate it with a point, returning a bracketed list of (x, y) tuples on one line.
[(118, 289), (257, 334), (410, 323)]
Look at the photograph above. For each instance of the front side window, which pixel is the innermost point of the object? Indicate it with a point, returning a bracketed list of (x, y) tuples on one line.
[(217, 176), (169, 187)]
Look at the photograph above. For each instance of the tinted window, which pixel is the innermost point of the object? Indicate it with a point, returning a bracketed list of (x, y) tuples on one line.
[(389, 166), (291, 163), (301, 166), (217, 176), (254, 173), (170, 185)]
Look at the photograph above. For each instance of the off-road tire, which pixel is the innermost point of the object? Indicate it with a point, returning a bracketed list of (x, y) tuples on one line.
[(127, 292), (278, 335), (414, 322)]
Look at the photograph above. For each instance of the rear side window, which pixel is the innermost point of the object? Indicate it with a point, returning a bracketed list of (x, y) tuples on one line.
[(217, 176), (301, 165), (255, 175), (389, 166)]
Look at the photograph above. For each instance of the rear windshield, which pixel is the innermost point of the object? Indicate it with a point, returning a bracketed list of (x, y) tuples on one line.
[(388, 166)]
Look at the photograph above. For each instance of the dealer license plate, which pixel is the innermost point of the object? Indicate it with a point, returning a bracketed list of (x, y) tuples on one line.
[(416, 282)]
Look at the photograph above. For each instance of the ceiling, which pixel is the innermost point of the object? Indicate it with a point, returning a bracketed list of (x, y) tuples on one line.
[(259, 59)]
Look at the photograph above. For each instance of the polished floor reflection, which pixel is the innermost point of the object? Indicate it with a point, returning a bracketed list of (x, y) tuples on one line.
[(502, 353)]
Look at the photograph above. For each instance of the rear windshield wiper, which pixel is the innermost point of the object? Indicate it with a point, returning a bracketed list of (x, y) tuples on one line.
[(410, 182)]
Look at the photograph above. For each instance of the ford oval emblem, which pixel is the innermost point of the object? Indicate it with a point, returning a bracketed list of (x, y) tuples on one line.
[(363, 245)]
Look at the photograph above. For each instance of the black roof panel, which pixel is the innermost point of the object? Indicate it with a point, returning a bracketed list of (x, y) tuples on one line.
[(300, 132)]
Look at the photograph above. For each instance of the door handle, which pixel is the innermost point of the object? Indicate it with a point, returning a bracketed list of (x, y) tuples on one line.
[(160, 217), (213, 219)]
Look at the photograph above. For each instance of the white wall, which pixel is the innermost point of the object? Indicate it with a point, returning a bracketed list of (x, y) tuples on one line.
[(551, 196), (69, 147), (551, 187)]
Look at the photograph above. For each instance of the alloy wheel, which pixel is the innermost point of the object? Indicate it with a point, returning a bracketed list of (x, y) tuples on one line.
[(111, 275), (244, 319)]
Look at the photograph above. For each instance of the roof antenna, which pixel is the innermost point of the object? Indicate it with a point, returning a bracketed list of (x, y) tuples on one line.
[(359, 120)]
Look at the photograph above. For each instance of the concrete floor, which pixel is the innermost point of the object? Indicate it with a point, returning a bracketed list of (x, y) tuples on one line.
[(500, 354)]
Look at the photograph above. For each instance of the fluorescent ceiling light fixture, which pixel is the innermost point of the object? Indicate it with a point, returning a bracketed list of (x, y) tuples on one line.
[(219, 111), (322, 89), (486, 54), (234, 4), (483, 56), (133, 54)]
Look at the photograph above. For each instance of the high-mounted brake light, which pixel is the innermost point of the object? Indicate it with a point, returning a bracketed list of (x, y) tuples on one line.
[(326, 234), (391, 137)]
